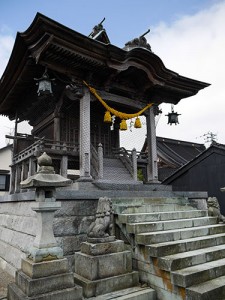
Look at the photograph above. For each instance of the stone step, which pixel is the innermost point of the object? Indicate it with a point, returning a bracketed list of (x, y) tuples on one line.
[(112, 162), (174, 235), (151, 200), (160, 216), (116, 174), (121, 170), (191, 258), (110, 284), (153, 208), (168, 225), (197, 274), (179, 246), (135, 293), (74, 293), (213, 289)]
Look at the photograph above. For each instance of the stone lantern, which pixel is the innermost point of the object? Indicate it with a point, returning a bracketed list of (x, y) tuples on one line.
[(45, 181), (44, 273)]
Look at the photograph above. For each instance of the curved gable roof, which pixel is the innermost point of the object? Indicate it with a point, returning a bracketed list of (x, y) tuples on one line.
[(49, 43)]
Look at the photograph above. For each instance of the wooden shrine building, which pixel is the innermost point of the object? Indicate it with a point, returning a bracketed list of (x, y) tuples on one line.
[(64, 83)]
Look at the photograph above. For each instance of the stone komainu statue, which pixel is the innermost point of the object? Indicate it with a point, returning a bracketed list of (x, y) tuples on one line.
[(102, 227), (214, 209)]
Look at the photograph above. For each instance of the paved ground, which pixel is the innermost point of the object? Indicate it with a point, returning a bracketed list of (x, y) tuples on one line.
[(5, 279)]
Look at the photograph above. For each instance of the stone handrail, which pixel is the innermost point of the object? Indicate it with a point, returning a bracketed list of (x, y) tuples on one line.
[(125, 157)]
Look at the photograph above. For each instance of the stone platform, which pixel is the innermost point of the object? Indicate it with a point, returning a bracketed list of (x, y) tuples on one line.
[(44, 281)]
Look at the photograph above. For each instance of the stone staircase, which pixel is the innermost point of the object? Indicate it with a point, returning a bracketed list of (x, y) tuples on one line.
[(178, 249), (114, 170)]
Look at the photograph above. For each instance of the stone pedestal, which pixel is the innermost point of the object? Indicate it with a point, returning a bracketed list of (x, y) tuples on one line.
[(103, 268), (44, 281), (45, 275)]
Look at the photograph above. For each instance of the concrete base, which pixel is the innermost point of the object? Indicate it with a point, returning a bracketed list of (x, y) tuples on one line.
[(92, 288), (44, 281), (134, 293), (104, 268)]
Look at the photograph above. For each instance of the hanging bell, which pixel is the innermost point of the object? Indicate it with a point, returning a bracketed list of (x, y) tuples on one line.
[(123, 125), (107, 117), (137, 123)]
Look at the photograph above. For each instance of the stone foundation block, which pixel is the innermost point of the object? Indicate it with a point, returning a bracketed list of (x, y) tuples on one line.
[(102, 248), (102, 266), (111, 284), (75, 293), (32, 287), (47, 268)]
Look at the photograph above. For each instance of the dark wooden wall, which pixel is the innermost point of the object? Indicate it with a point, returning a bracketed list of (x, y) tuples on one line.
[(207, 175)]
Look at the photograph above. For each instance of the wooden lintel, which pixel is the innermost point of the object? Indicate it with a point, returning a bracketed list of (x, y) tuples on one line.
[(121, 100)]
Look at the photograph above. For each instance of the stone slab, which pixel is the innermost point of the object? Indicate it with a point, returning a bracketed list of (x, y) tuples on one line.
[(75, 293), (160, 216), (111, 284), (44, 269), (102, 266), (32, 287), (171, 235), (135, 293), (169, 224), (173, 247), (199, 273), (102, 248), (212, 289), (191, 258)]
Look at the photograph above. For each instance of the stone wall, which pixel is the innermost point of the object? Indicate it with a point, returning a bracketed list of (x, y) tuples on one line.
[(18, 229)]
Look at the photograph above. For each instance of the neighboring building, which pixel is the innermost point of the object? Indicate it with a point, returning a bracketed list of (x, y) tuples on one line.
[(205, 172), (172, 154), (5, 161)]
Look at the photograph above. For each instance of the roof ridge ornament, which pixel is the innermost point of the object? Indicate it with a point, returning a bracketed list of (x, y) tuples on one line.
[(141, 41), (99, 33)]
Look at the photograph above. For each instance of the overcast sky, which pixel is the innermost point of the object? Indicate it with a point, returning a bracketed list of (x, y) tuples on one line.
[(188, 35)]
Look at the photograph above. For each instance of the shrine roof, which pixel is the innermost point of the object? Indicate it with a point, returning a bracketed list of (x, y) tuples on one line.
[(136, 72)]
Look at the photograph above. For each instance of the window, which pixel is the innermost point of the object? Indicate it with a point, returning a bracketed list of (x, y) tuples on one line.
[(4, 182)]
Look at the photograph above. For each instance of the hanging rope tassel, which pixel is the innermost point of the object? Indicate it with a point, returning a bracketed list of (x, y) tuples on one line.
[(123, 125), (137, 123), (107, 117)]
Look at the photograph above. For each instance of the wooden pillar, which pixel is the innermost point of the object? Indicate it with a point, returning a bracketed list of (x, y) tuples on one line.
[(57, 128), (152, 168), (85, 139)]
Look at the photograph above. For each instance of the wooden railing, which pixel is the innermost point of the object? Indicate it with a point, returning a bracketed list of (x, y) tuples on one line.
[(49, 146)]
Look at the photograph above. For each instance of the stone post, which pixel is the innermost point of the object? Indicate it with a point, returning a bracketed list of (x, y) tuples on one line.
[(12, 180), (32, 167), (18, 178), (100, 161), (134, 163), (64, 165), (85, 144), (152, 168)]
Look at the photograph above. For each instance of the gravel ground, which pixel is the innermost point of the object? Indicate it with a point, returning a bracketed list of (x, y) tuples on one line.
[(5, 279)]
